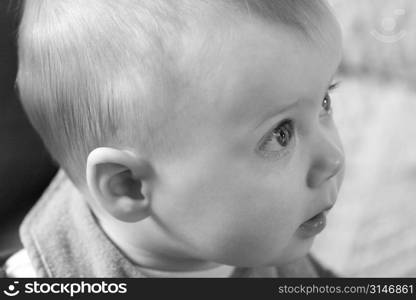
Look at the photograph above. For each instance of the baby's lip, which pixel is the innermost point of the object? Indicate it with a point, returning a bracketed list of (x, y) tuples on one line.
[(314, 224), (324, 210), (326, 206)]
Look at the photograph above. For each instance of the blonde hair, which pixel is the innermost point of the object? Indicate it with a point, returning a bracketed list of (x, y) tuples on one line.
[(95, 72)]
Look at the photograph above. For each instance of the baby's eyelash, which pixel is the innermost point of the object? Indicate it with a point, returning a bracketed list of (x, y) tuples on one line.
[(334, 85), (284, 139)]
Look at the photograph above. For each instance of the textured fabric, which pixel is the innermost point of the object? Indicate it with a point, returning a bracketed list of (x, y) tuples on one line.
[(63, 239), (3, 273)]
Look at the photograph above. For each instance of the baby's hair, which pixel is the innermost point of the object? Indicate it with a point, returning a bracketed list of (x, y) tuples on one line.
[(98, 72)]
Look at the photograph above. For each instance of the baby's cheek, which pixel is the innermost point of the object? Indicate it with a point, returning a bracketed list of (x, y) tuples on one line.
[(249, 246), (251, 229)]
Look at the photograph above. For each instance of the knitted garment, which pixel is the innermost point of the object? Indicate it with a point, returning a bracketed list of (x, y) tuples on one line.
[(63, 239)]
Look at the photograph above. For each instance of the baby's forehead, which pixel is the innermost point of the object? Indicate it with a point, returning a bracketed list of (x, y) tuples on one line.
[(211, 44), (214, 22), (242, 68), (258, 60)]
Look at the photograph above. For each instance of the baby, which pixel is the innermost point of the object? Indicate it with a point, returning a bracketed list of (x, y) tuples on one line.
[(197, 135)]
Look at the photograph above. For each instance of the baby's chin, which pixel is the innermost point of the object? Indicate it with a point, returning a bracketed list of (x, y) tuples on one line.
[(297, 249)]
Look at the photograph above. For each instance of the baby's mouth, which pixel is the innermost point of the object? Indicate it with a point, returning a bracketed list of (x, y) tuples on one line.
[(313, 226)]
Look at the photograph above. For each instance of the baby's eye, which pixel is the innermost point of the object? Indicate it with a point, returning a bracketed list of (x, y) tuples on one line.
[(326, 104), (277, 142)]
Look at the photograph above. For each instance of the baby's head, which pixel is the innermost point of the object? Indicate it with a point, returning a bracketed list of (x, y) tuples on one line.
[(200, 131)]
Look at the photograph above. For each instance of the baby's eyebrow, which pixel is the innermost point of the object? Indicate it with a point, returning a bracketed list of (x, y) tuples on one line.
[(277, 111), (280, 110), (332, 84), (331, 80)]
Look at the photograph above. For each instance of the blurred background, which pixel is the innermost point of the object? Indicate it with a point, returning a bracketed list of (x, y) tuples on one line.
[(25, 166), (372, 229)]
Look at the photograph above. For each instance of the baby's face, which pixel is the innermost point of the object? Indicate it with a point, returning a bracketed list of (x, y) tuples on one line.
[(260, 151)]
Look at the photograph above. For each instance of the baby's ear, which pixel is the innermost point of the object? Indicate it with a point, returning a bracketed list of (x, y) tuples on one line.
[(119, 181)]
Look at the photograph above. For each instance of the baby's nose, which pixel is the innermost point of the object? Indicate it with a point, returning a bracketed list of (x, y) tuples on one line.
[(328, 161)]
